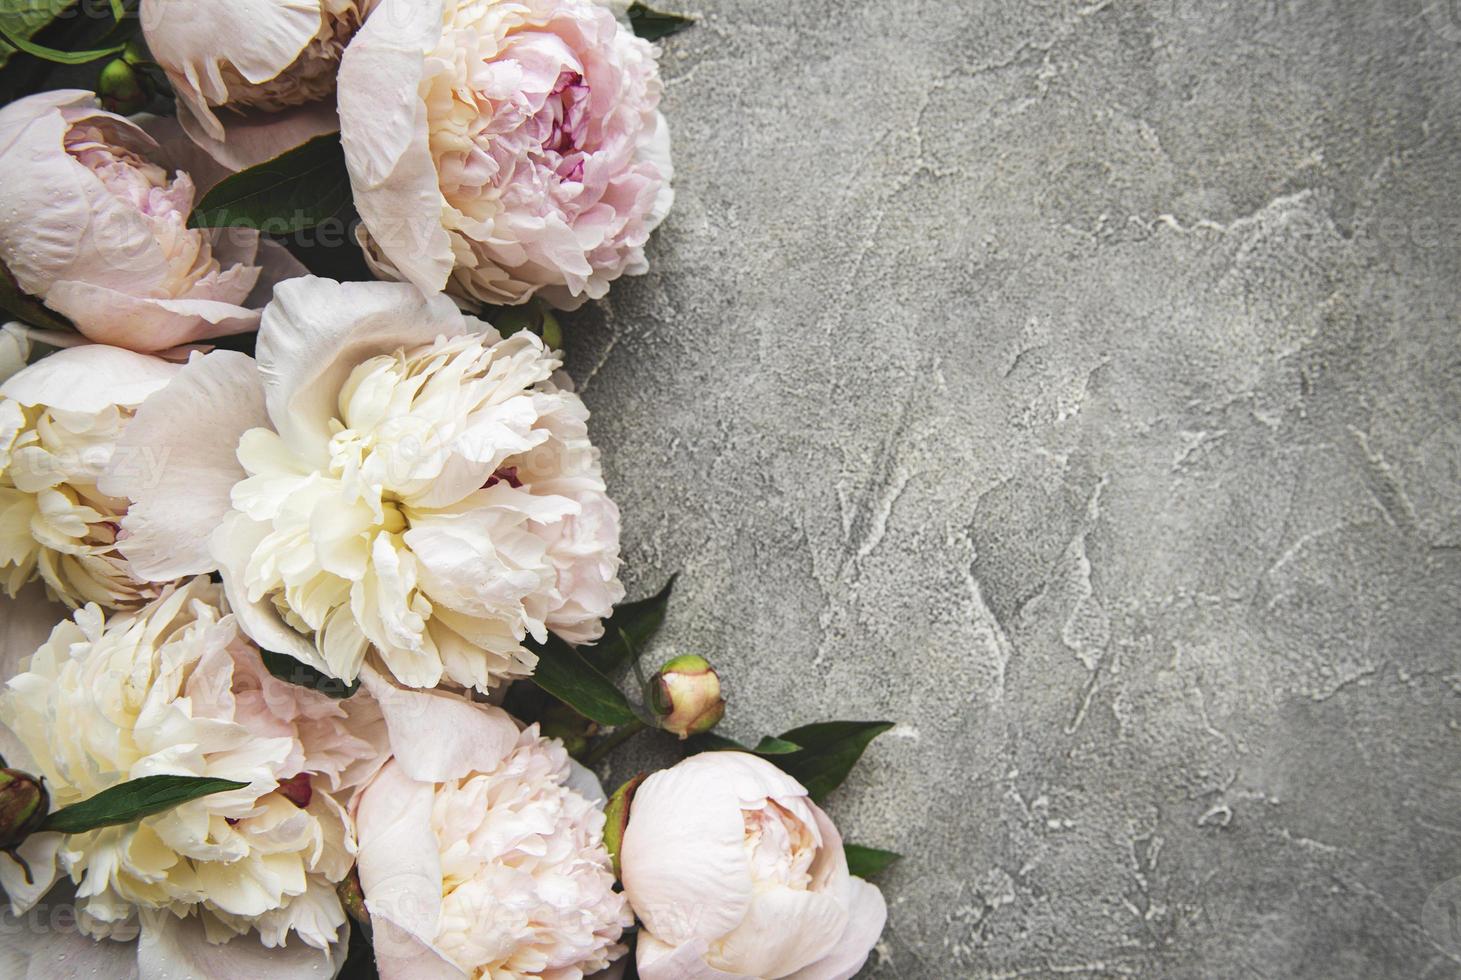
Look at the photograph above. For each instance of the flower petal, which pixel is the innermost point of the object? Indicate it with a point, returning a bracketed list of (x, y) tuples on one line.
[(177, 949), (41, 948), (25, 886), (258, 38), (658, 961), (110, 316), (89, 379), (383, 126), (316, 331), (437, 736), (252, 136), (685, 869), (784, 930), (176, 462), (867, 916)]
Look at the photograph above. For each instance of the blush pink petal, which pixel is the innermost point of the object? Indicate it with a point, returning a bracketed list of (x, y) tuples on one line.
[(867, 916), (255, 136), (173, 949), (89, 379), (176, 462), (658, 961), (438, 736)]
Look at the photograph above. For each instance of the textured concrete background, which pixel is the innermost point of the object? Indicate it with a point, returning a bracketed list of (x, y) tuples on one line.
[(1079, 386)]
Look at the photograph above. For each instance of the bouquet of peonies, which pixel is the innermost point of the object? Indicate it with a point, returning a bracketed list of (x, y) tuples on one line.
[(313, 631)]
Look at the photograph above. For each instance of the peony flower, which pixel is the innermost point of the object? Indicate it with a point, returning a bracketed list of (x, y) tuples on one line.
[(253, 78), (94, 226), (60, 420), (176, 689), (504, 148), (735, 872), (487, 867), (391, 477)]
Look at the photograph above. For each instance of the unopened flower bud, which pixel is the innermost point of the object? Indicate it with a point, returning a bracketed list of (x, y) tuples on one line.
[(352, 898), (121, 88), (616, 818), (685, 695), (23, 807)]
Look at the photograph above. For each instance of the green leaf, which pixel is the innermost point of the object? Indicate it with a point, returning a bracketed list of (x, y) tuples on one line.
[(768, 746), (293, 671), (25, 307), (296, 190), (652, 24), (566, 675), (59, 57), (828, 752), (24, 18), (638, 621), (134, 800), (864, 862)]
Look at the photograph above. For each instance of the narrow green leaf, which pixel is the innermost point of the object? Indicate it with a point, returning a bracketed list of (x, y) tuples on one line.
[(566, 675), (134, 800), (652, 24), (638, 622), (293, 671), (118, 10), (25, 307), (24, 18), (59, 57), (775, 746), (828, 752), (864, 862), (295, 191)]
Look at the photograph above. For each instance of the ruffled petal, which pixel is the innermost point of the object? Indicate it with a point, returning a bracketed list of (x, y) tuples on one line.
[(176, 462), (784, 930), (659, 961), (110, 316), (317, 330)]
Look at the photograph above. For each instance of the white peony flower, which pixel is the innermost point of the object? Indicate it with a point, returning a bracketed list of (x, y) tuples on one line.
[(60, 420), (735, 872), (176, 689), (499, 872), (253, 77), (500, 149), (392, 477)]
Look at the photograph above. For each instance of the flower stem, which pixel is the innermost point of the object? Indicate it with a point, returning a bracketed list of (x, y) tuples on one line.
[(611, 742)]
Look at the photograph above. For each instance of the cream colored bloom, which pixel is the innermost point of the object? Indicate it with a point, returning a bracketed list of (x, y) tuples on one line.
[(406, 485), (60, 420), (176, 689), (735, 872), (497, 874), (253, 77), (500, 149)]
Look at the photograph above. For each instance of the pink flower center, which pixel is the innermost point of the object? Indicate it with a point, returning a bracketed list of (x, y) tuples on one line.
[(297, 790), (568, 108)]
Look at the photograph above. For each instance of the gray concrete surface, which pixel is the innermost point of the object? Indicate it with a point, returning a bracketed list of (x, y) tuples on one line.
[(1080, 386)]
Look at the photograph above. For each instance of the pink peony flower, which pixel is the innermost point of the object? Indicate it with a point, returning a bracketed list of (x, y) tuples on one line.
[(253, 77), (735, 872), (95, 227), (480, 856), (500, 149)]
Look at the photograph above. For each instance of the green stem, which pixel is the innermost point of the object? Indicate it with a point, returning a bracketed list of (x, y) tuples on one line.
[(611, 742)]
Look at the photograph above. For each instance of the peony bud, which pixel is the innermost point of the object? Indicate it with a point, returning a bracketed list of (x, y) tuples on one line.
[(122, 89), (685, 695), (616, 818), (24, 804)]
